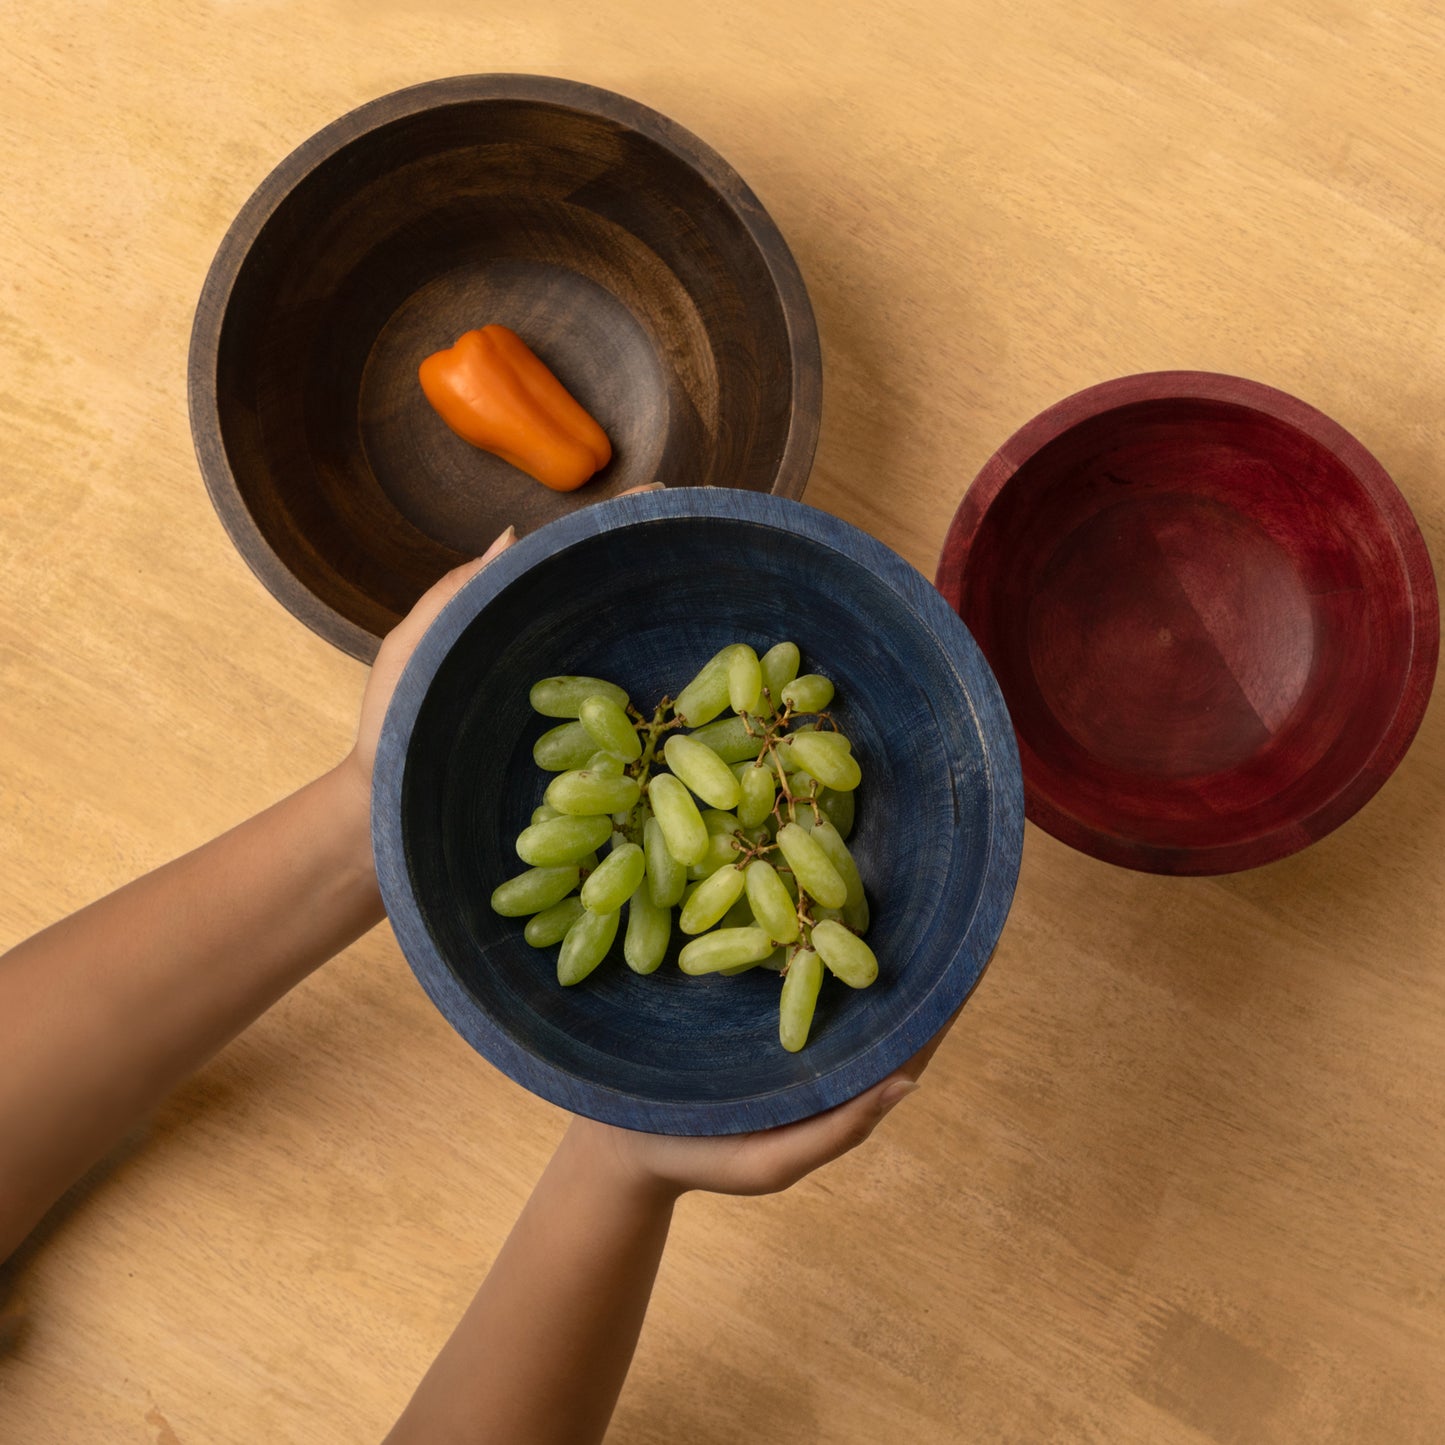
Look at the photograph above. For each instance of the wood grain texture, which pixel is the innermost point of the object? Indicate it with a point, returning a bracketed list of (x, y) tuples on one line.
[(1211, 612), (1177, 1175)]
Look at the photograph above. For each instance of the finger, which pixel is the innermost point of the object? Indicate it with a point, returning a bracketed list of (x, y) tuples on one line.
[(786, 1154), (431, 602), (452, 582)]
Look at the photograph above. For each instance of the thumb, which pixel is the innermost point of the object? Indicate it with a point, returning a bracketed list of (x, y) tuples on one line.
[(431, 602), (788, 1153), (448, 585)]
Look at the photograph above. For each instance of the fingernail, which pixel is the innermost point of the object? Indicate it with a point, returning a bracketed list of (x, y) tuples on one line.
[(653, 487), (895, 1093), (505, 540)]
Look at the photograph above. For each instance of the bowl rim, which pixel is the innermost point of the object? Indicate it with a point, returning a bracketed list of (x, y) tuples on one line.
[(804, 355), (956, 977), (1048, 811)]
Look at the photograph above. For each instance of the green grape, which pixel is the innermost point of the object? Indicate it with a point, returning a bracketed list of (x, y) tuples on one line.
[(648, 929), (855, 906), (809, 693), (722, 850), (757, 789), (716, 802), (564, 696), (772, 908), (845, 954), (740, 909), (729, 738), (666, 877), (551, 924), (838, 809), (586, 945), (803, 785), (615, 879), (702, 770), (611, 727), (534, 890), (785, 752), (707, 694), (740, 915), (563, 747), (800, 997), (561, 840), (678, 817), (581, 793), (745, 679), (829, 758), (714, 896), (724, 948), (779, 666), (816, 875)]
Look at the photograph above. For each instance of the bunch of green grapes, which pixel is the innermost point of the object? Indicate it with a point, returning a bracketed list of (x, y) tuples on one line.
[(740, 824)]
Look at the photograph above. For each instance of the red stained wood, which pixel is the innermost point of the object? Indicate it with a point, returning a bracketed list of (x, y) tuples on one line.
[(1210, 611)]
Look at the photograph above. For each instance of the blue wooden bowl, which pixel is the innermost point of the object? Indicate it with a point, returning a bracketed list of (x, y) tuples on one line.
[(642, 590)]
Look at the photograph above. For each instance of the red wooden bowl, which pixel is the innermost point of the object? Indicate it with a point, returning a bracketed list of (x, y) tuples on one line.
[(1211, 614)]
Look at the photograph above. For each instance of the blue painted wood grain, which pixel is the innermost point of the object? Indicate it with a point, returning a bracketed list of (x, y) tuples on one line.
[(642, 590)]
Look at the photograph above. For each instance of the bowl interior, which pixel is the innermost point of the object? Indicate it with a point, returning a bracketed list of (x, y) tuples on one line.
[(645, 605), (611, 243), (1199, 617)]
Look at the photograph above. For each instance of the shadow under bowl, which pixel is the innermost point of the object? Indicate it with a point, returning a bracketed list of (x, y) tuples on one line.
[(625, 252), (642, 590), (1211, 613)]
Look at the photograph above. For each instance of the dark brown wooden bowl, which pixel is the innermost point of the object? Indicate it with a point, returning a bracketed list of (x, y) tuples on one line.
[(1211, 614), (628, 255)]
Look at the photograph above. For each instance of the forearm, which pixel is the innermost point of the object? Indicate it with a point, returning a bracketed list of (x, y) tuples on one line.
[(542, 1352), (106, 1011)]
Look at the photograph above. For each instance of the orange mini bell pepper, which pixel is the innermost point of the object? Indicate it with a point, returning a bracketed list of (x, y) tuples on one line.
[(492, 391)]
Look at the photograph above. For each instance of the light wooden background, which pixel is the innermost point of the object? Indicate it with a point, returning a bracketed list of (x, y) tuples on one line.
[(1178, 1174)]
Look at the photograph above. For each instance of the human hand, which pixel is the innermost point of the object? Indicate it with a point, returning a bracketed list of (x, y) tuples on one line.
[(763, 1162), (398, 646)]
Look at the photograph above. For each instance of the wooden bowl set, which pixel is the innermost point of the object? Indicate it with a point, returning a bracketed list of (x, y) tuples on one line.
[(1207, 608)]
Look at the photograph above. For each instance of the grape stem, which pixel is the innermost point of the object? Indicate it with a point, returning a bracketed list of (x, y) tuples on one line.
[(651, 729), (770, 737), (805, 931)]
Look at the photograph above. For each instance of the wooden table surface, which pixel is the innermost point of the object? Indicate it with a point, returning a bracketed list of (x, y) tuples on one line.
[(1178, 1173)]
